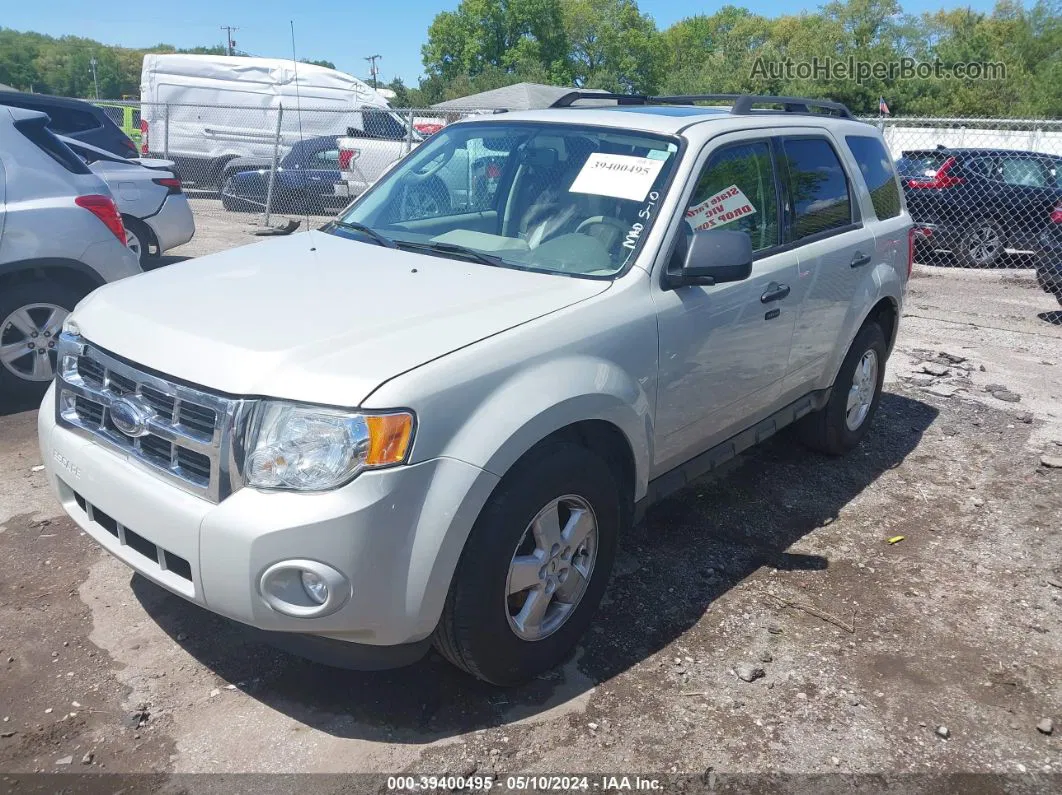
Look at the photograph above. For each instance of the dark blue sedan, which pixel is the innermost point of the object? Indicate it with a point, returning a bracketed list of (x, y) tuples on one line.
[(305, 182)]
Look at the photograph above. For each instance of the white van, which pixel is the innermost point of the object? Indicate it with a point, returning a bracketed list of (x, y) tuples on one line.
[(202, 111)]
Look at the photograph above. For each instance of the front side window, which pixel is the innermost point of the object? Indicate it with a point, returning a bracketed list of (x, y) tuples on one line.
[(878, 174), (736, 190), (560, 198), (818, 187)]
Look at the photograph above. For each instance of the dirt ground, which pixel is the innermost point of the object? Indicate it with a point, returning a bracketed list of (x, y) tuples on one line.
[(940, 653)]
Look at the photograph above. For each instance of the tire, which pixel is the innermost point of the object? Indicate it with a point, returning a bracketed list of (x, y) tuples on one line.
[(981, 245), (22, 378), (141, 239), (481, 629), (832, 429)]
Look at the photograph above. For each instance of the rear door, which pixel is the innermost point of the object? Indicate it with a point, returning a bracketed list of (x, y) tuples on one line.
[(835, 250)]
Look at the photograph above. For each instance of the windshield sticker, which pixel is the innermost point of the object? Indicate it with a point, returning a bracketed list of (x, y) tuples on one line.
[(658, 154), (619, 176), (721, 208)]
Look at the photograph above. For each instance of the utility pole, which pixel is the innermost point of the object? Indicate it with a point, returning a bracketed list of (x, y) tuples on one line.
[(95, 82), (230, 42), (373, 69)]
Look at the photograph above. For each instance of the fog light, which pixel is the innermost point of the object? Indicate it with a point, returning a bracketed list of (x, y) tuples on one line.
[(316, 588), (304, 588)]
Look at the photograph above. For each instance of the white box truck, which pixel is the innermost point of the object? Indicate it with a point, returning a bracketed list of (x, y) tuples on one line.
[(203, 111)]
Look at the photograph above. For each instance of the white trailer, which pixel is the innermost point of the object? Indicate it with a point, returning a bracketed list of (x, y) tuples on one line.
[(202, 111)]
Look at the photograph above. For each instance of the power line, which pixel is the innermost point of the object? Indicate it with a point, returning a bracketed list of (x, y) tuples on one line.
[(231, 43), (373, 69)]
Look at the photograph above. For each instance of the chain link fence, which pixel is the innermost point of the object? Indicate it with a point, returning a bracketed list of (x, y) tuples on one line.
[(263, 165), (984, 193)]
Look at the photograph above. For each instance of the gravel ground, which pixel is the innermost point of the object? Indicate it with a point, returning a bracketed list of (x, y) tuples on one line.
[(940, 653)]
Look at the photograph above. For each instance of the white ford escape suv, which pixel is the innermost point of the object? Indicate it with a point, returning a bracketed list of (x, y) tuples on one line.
[(430, 422)]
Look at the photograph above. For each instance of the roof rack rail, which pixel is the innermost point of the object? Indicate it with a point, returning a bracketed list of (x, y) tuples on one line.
[(572, 97), (741, 104)]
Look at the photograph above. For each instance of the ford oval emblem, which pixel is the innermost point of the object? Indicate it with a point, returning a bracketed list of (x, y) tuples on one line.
[(130, 417)]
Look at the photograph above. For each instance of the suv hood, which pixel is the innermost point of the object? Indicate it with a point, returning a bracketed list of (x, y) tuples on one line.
[(312, 316)]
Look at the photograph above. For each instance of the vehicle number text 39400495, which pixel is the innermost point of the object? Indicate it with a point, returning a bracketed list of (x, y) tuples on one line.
[(440, 783)]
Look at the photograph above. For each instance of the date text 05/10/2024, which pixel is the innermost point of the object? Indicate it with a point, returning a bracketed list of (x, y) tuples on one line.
[(524, 783)]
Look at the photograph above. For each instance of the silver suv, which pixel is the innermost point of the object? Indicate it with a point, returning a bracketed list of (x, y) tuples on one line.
[(432, 423), (60, 237)]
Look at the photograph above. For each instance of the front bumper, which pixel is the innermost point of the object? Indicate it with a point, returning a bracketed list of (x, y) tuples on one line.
[(173, 224), (395, 534)]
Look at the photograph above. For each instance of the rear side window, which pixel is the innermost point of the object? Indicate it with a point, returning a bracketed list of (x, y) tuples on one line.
[(44, 140), (1028, 172), (818, 187), (66, 121), (878, 173)]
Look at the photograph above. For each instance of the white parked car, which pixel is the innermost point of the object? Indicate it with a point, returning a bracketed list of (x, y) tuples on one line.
[(148, 193)]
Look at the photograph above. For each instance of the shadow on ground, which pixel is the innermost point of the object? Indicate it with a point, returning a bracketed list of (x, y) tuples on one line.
[(688, 552)]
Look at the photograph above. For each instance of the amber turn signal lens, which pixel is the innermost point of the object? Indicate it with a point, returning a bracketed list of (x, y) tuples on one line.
[(389, 438)]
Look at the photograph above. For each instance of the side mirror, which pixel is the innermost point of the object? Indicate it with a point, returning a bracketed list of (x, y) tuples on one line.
[(711, 256)]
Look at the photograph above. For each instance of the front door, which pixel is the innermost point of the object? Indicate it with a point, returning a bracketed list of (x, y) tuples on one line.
[(724, 348)]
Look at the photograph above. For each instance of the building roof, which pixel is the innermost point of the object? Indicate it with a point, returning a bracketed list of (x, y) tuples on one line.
[(520, 96)]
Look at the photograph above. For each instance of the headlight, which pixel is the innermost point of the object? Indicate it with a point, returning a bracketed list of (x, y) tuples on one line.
[(306, 448)]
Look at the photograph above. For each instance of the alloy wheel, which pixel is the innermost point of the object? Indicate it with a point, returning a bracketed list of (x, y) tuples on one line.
[(28, 337), (551, 567), (862, 391)]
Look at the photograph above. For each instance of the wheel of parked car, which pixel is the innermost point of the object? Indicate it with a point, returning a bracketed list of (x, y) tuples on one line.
[(31, 317), (140, 239), (980, 246), (534, 567), (842, 423), (427, 199)]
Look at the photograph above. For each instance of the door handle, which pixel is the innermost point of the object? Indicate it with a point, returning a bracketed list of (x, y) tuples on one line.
[(860, 259), (775, 292)]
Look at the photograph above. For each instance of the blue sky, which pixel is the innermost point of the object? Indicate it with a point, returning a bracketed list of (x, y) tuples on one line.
[(342, 32)]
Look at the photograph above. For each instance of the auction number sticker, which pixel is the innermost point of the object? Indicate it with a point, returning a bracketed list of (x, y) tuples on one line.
[(721, 208), (619, 176)]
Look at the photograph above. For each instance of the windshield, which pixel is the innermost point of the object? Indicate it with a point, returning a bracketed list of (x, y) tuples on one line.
[(558, 198)]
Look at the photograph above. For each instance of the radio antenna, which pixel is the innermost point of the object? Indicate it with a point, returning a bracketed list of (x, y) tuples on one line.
[(298, 113)]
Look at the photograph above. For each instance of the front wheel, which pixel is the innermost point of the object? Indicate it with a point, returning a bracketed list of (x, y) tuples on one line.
[(843, 422), (534, 567)]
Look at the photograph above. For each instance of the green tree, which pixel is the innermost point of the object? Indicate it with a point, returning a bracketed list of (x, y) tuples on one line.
[(322, 62), (612, 45), (509, 35)]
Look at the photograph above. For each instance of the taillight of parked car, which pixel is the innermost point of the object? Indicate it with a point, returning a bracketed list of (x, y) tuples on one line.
[(912, 237), (104, 208), (1056, 214), (143, 137), (348, 156), (172, 184), (940, 179)]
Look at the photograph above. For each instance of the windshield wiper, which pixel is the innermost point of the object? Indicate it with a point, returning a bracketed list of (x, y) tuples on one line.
[(454, 248), (366, 230)]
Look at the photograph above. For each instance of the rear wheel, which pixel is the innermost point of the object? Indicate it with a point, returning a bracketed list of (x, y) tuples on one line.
[(980, 246), (140, 240), (843, 422), (534, 567), (31, 317)]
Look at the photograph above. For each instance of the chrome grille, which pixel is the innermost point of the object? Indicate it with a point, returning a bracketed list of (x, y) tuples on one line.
[(185, 434)]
